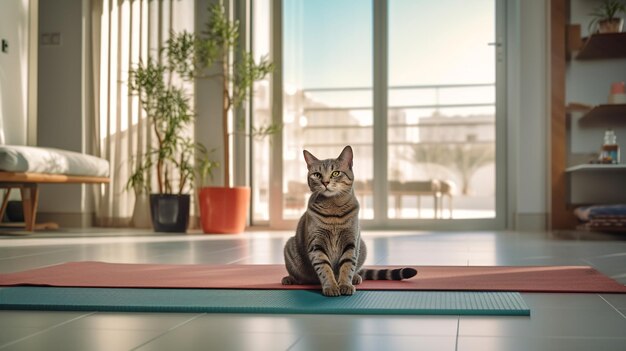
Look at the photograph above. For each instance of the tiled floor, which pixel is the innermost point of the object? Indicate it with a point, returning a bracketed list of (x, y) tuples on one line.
[(558, 321)]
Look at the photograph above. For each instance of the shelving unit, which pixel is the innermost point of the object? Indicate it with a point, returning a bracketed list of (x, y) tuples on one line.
[(603, 46), (615, 113), (599, 115), (604, 115), (567, 44), (596, 168)]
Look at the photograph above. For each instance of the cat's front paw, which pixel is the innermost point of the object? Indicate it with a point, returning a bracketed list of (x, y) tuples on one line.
[(331, 290), (347, 289), (288, 280), (356, 280)]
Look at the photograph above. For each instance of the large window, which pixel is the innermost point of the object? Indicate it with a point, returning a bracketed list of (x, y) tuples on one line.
[(415, 97)]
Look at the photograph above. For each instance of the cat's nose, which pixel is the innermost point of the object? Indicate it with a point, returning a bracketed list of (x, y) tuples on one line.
[(325, 183)]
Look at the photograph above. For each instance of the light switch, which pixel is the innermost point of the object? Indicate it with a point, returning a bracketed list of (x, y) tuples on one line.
[(55, 38), (5, 46), (45, 39), (51, 39)]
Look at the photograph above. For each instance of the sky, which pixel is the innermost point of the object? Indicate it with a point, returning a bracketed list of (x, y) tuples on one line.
[(328, 43)]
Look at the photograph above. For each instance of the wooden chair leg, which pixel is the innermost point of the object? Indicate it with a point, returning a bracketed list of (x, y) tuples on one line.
[(5, 202), (30, 198)]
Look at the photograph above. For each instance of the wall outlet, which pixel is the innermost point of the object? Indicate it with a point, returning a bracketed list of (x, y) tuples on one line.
[(45, 39), (55, 38), (50, 39)]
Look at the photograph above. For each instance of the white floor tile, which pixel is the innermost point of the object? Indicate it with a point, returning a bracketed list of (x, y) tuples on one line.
[(11, 334), (349, 342), (132, 321), (546, 322), (219, 339), (539, 344), (68, 339)]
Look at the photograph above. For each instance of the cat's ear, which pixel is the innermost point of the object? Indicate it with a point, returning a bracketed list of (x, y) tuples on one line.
[(346, 156), (309, 158)]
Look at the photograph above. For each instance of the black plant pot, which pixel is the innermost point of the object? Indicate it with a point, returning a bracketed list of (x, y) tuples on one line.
[(14, 212), (170, 213)]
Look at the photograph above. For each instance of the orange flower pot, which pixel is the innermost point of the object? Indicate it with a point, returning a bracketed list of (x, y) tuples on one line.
[(224, 210)]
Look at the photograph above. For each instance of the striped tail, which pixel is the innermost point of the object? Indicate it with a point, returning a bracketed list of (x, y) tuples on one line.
[(387, 274)]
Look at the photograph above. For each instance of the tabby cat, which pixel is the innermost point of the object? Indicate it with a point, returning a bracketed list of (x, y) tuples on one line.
[(327, 247)]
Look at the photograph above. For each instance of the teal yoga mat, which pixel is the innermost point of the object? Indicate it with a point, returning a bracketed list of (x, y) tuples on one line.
[(262, 301)]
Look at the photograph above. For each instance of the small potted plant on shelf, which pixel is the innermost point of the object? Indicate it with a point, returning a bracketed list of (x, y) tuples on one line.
[(606, 17), (164, 95)]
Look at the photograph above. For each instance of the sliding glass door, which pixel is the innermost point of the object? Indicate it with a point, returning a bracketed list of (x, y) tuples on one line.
[(413, 87), (441, 113)]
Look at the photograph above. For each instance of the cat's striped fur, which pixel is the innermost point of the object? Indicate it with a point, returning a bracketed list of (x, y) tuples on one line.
[(327, 247)]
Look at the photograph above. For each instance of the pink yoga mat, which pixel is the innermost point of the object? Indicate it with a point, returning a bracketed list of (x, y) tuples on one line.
[(581, 279)]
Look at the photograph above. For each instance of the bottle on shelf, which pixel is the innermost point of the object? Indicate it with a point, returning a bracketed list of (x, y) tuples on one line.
[(610, 149)]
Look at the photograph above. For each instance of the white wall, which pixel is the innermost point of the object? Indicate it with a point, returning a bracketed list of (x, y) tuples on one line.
[(14, 29), (59, 90), (527, 83), (60, 119)]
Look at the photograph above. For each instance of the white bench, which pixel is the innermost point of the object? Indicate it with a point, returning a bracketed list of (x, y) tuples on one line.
[(25, 167)]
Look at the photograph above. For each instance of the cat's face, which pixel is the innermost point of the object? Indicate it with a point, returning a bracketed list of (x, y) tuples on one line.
[(330, 177)]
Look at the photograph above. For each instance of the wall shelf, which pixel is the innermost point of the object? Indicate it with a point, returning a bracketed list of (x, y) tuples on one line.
[(615, 114), (603, 46), (596, 167)]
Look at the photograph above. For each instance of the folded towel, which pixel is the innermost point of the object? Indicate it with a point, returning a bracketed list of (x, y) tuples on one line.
[(588, 213)]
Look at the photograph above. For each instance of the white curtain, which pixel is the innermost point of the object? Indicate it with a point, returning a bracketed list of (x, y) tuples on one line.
[(123, 33)]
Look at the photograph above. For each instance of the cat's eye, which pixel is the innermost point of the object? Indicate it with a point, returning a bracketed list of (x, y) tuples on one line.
[(317, 175), (336, 174)]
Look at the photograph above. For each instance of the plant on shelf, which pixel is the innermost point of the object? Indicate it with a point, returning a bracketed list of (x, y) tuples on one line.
[(224, 209), (162, 85), (606, 17)]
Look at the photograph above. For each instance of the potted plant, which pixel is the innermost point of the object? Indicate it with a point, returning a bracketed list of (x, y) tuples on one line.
[(162, 87), (606, 19), (224, 209), (164, 95)]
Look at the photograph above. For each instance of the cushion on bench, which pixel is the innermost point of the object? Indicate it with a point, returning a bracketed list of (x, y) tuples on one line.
[(29, 159)]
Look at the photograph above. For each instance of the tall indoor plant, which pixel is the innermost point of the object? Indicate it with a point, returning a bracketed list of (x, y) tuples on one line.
[(224, 209), (162, 85)]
